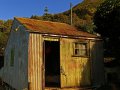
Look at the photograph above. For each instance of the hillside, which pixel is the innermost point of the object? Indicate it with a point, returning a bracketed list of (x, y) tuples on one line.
[(86, 7), (82, 15)]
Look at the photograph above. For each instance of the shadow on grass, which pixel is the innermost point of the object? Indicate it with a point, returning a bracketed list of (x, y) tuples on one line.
[(111, 86)]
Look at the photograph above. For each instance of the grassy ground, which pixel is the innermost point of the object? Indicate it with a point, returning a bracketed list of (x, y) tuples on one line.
[(111, 86)]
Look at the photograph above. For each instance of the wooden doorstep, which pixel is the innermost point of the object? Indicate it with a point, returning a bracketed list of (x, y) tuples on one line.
[(53, 88)]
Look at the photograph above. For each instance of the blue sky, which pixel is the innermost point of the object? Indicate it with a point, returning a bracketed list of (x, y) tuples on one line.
[(26, 8)]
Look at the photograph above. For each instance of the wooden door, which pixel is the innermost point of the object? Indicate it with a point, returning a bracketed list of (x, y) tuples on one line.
[(75, 70)]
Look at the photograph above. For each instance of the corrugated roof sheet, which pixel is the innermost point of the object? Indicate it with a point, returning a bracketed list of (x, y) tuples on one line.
[(48, 27)]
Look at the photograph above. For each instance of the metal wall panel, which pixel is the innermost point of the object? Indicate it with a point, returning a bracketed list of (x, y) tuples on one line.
[(35, 62), (75, 71), (96, 48), (16, 75)]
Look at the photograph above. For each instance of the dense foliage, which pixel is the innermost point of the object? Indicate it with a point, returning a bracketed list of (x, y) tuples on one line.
[(107, 21), (107, 18), (5, 27)]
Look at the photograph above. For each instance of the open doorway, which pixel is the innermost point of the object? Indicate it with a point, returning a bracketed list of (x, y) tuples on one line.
[(52, 63)]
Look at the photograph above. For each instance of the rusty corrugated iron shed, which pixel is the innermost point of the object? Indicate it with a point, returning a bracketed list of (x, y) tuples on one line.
[(48, 27)]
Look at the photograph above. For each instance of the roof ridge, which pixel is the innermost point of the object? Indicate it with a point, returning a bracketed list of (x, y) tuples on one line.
[(42, 26), (42, 20)]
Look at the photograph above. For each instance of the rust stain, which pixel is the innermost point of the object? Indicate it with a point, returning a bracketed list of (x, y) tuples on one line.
[(52, 28)]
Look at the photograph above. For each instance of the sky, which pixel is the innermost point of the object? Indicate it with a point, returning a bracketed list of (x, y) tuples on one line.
[(26, 8)]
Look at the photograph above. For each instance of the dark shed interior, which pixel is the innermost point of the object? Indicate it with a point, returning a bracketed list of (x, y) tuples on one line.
[(52, 64)]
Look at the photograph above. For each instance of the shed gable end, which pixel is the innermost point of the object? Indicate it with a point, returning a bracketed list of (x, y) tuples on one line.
[(16, 56)]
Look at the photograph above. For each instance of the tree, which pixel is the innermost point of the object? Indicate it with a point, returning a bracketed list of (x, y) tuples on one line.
[(107, 21), (1, 25), (61, 18), (46, 15), (3, 40), (36, 17), (5, 27), (46, 10), (107, 18)]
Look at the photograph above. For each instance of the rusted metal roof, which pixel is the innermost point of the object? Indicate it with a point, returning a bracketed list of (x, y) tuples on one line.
[(48, 27)]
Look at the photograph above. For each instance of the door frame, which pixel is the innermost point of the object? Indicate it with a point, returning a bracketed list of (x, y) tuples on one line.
[(43, 65)]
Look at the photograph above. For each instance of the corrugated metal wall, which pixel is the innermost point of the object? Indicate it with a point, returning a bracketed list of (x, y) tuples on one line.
[(16, 75), (75, 71), (97, 62), (35, 60)]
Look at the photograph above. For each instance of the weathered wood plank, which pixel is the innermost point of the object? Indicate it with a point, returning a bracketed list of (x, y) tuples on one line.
[(75, 70), (68, 88)]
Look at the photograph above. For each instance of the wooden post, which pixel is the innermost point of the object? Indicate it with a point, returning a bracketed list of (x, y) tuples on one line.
[(71, 13)]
